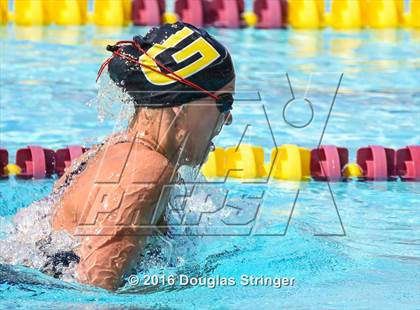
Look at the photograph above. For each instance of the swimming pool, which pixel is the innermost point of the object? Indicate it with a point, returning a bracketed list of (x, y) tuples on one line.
[(370, 261)]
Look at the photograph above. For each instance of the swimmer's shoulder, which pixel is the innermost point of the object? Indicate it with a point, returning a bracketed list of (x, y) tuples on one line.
[(138, 162)]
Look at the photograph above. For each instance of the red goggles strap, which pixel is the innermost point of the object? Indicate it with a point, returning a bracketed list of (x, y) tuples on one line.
[(171, 74)]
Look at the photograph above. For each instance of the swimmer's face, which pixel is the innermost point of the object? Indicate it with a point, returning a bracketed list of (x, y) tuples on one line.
[(204, 121)]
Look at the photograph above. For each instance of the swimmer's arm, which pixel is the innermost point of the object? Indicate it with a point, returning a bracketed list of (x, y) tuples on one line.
[(111, 250), (105, 259)]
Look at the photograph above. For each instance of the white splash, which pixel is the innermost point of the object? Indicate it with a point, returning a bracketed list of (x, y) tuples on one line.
[(28, 238), (113, 103)]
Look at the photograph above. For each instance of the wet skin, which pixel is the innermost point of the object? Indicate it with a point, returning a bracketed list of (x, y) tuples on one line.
[(115, 202)]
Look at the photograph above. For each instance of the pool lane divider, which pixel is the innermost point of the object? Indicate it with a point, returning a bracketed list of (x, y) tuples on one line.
[(287, 162), (36, 162), (326, 163), (265, 14)]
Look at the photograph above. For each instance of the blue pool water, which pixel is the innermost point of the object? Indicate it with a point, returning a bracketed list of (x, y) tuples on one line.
[(362, 255)]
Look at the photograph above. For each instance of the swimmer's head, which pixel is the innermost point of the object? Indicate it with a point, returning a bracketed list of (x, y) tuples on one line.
[(171, 65), (180, 68)]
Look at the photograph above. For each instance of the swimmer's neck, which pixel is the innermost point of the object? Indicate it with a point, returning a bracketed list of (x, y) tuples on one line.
[(156, 129)]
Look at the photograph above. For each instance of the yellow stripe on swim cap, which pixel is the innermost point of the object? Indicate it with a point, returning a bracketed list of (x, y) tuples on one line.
[(208, 55)]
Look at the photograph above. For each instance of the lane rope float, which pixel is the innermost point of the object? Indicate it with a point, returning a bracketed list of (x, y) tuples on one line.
[(287, 162)]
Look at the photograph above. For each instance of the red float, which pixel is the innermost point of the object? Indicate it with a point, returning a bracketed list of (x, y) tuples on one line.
[(64, 157), (4, 160), (408, 163), (35, 162), (147, 12), (377, 162), (327, 162), (190, 11), (224, 13), (271, 13)]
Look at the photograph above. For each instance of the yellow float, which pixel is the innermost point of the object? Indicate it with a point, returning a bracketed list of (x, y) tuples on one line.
[(414, 17), (290, 162), (68, 12), (402, 16), (245, 162), (127, 9), (3, 12), (109, 12), (306, 14), (31, 13), (12, 169), (381, 14), (346, 14), (250, 18), (169, 18), (352, 170), (215, 165)]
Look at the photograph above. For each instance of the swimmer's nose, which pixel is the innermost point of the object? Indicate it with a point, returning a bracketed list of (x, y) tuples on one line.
[(228, 119)]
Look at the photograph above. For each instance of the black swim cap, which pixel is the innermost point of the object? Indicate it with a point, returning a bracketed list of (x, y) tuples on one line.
[(167, 53)]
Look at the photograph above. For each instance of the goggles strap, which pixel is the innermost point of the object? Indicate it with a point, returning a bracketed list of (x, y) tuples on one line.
[(170, 74)]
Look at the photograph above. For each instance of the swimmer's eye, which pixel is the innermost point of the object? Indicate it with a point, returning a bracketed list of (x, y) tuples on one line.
[(224, 102)]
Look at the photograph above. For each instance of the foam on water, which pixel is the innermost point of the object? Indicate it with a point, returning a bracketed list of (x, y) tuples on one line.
[(30, 241)]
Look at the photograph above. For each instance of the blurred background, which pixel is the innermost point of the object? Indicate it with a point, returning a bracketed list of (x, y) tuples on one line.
[(366, 51)]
